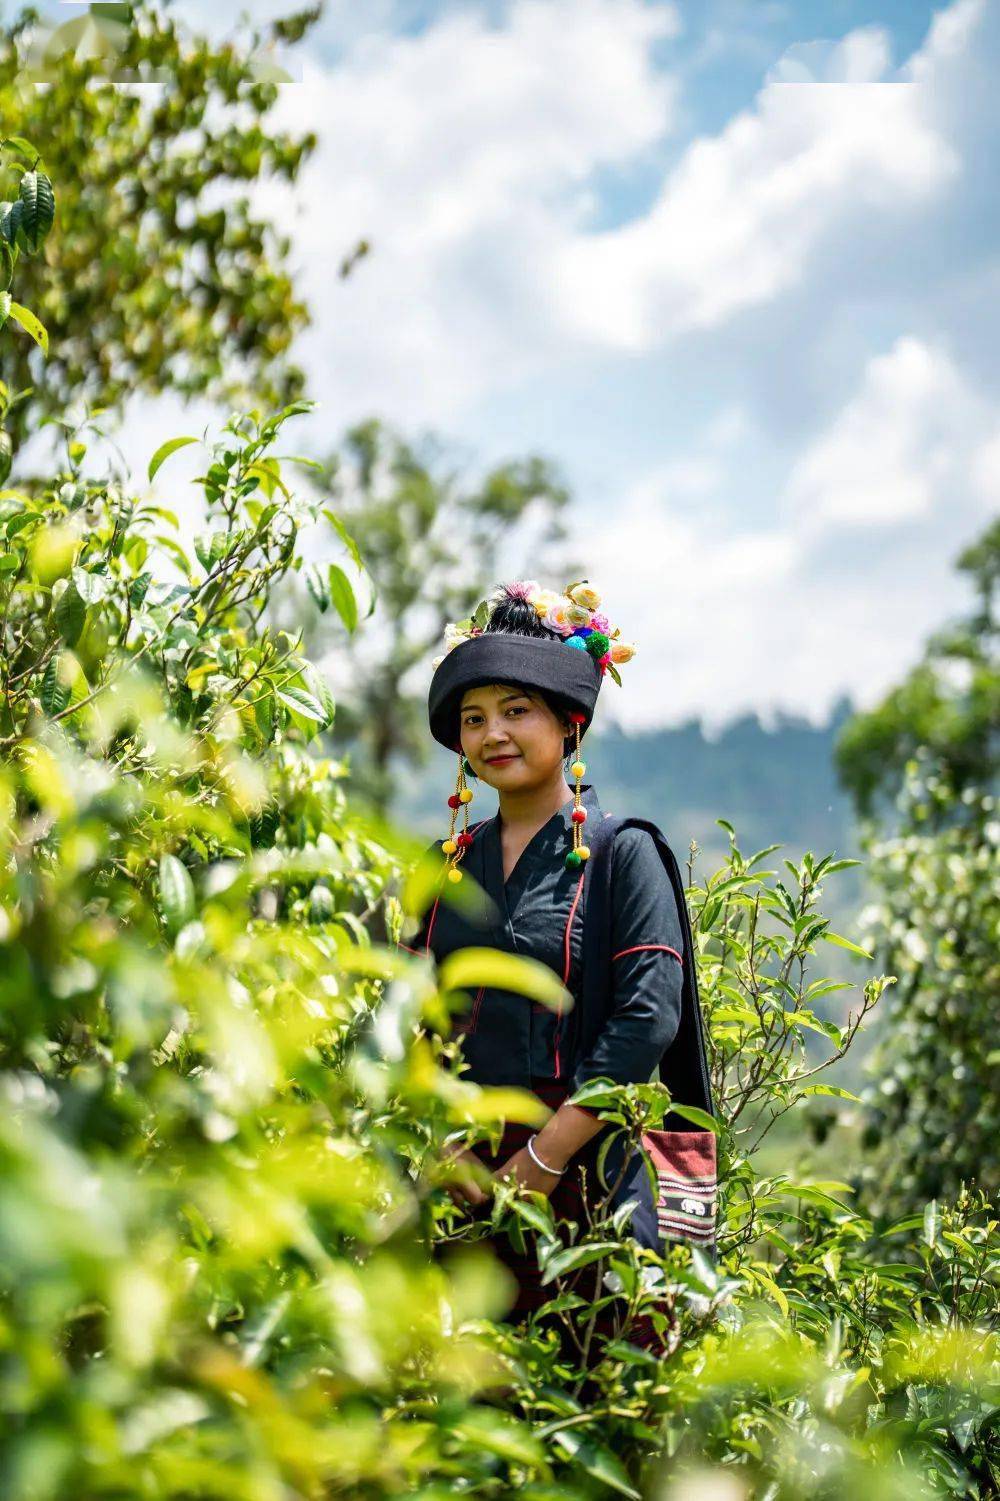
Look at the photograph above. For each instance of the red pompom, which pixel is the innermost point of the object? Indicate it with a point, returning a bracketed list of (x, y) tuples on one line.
[(463, 841), (579, 815), (454, 801), (577, 718)]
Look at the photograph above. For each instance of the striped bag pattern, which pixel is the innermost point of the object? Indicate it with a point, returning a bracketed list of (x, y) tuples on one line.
[(687, 1184)]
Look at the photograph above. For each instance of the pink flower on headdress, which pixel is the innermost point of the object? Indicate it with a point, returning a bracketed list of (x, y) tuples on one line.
[(600, 623), (521, 589)]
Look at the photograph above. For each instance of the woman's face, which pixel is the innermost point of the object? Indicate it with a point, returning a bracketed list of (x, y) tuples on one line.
[(511, 739)]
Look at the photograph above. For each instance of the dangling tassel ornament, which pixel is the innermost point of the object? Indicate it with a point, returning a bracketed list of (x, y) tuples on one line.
[(456, 845), (580, 852)]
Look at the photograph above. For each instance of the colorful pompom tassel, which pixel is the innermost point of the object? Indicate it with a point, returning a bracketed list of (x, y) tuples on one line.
[(456, 845), (580, 852)]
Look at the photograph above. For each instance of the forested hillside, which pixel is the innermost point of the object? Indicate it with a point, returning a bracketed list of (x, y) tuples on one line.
[(773, 785)]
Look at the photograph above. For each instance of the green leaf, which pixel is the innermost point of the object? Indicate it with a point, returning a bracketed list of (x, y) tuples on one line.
[(343, 597), (833, 1090), (346, 538), (538, 1218), (845, 943), (39, 207), (11, 215), (70, 614), (467, 968), (572, 1258), (31, 325), (932, 1223), (21, 145), (772, 1287), (177, 902), (54, 692), (302, 703), (597, 1462), (6, 303), (91, 587), (316, 586), (698, 1117), (316, 686), (209, 547), (486, 1428), (165, 450)]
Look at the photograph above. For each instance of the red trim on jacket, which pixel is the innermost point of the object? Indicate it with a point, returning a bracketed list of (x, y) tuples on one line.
[(640, 947), (566, 968), (433, 917)]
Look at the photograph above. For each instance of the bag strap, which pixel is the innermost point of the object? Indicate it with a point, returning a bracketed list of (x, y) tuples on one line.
[(684, 1065)]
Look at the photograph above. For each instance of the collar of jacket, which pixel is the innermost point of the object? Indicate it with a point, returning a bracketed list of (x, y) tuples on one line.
[(552, 837)]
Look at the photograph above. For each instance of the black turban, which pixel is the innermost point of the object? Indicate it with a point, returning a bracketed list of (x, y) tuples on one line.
[(497, 657)]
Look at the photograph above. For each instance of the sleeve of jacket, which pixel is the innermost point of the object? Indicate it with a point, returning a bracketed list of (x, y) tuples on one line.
[(420, 942), (646, 963)]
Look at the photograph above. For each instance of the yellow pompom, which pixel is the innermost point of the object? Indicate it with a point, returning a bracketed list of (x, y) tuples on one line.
[(449, 847), (465, 796), (578, 768), (584, 852), (454, 874)]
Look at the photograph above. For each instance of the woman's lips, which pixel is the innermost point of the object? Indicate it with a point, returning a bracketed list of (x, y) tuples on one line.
[(500, 760)]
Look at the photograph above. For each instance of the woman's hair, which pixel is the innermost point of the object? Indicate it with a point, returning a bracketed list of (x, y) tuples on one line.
[(513, 615), (516, 616)]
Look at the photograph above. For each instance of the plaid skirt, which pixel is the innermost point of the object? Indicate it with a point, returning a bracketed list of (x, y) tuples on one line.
[(578, 1187)]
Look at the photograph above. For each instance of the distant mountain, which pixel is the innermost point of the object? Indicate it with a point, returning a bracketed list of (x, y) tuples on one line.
[(773, 785)]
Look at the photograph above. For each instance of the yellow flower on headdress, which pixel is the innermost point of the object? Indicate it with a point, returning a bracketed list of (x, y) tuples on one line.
[(577, 615), (544, 599), (582, 594), (622, 651)]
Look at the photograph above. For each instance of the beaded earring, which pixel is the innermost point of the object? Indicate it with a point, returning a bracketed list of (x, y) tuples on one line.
[(456, 844), (580, 852)]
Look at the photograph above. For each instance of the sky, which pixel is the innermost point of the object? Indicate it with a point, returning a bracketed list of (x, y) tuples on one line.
[(732, 265)]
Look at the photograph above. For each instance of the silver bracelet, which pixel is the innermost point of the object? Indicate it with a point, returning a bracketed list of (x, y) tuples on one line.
[(556, 1172)]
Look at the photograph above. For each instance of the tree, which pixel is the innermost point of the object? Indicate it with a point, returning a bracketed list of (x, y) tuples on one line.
[(151, 283), (430, 542), (948, 705), (923, 767)]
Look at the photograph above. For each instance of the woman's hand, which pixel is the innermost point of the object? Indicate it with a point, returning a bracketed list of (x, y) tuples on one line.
[(522, 1167), (463, 1185)]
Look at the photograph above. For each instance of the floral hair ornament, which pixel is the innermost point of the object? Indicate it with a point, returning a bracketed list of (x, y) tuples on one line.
[(575, 619), (573, 613)]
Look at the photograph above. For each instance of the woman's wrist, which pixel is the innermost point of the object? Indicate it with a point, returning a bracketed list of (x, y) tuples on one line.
[(563, 1134), (540, 1162)]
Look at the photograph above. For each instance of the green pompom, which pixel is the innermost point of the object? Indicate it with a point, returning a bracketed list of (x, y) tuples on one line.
[(573, 860), (597, 643)]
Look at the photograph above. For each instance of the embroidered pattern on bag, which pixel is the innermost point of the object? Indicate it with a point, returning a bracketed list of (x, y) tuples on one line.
[(687, 1184)]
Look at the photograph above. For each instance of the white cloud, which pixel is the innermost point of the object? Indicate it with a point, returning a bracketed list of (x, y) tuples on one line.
[(738, 218), (896, 448), (465, 153), (811, 602)]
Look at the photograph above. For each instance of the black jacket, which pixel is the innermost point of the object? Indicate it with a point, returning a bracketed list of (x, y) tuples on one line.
[(540, 912)]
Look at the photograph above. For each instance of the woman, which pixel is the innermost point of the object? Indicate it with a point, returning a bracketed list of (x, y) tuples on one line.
[(513, 698)]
